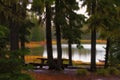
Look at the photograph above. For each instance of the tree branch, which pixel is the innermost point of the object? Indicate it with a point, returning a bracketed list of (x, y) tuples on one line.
[(6, 6)]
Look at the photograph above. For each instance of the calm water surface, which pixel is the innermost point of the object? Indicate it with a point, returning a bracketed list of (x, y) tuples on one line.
[(79, 54)]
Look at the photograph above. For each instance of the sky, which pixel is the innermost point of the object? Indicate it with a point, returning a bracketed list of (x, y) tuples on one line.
[(82, 9)]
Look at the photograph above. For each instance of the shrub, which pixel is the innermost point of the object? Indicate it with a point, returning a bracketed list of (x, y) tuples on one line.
[(109, 71), (82, 72), (15, 76), (118, 66), (113, 71), (102, 72), (11, 67)]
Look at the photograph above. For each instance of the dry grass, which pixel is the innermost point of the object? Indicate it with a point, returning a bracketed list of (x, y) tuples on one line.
[(32, 59), (35, 44), (42, 43)]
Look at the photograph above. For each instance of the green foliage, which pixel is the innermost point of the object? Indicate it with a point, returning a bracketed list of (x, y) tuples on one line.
[(71, 22), (15, 76), (113, 71), (118, 66), (37, 51), (108, 71), (11, 66), (3, 37), (13, 10), (38, 6), (37, 30), (36, 33), (114, 57), (13, 15), (24, 31), (102, 72), (82, 72)]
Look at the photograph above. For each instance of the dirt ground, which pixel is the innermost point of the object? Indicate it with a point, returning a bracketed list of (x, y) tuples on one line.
[(68, 75)]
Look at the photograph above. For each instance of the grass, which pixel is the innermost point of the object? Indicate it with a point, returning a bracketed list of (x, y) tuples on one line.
[(113, 71), (108, 72), (82, 72), (102, 72)]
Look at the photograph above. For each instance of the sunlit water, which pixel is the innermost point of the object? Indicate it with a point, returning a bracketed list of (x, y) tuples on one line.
[(80, 54)]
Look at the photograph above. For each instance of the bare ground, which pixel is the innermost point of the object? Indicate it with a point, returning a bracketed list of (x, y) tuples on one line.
[(68, 75)]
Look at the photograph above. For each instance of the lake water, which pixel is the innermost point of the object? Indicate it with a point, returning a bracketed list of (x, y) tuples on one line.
[(80, 54)]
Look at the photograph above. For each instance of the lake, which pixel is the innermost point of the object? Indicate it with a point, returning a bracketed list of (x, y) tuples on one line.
[(80, 54)]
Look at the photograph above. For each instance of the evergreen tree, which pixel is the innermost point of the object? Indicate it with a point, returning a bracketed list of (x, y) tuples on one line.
[(91, 9), (38, 6), (13, 15), (49, 35), (58, 32), (71, 25)]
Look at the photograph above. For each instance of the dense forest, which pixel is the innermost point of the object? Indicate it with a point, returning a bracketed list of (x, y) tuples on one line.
[(58, 18)]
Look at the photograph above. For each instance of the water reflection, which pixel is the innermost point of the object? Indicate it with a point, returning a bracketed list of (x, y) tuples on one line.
[(79, 54)]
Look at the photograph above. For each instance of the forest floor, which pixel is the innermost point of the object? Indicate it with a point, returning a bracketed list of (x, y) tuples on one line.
[(68, 74)]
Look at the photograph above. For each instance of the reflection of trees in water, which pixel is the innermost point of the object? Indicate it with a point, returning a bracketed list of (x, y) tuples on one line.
[(84, 51), (78, 54), (75, 52), (65, 50)]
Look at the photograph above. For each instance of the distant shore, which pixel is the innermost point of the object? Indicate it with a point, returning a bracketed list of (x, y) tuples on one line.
[(42, 43)]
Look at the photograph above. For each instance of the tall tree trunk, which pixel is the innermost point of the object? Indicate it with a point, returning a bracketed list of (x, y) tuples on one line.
[(93, 50), (70, 52), (22, 46), (107, 53), (14, 36), (58, 35), (93, 39), (48, 36), (22, 42)]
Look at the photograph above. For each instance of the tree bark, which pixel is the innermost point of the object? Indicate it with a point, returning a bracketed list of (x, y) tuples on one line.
[(22, 42), (48, 36), (14, 37), (58, 35), (107, 53), (70, 52), (59, 48), (93, 39), (93, 50)]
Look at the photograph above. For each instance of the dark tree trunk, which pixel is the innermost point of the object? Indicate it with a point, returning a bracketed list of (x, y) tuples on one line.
[(22, 42), (22, 46), (48, 36), (93, 50), (58, 35), (93, 39), (59, 48), (107, 53), (14, 37), (70, 52)]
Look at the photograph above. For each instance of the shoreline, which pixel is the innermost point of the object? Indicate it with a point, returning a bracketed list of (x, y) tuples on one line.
[(33, 59)]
